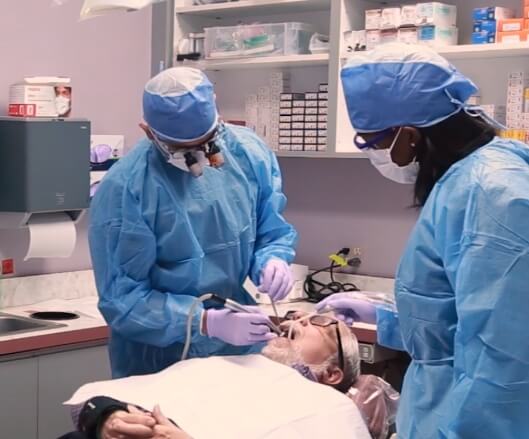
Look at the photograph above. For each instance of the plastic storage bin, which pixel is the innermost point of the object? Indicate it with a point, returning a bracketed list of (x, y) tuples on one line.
[(257, 40)]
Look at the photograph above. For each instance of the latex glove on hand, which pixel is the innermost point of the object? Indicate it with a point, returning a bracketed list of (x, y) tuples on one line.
[(349, 308), (276, 279), (237, 328)]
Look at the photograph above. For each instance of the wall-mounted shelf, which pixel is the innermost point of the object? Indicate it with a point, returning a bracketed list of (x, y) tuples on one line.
[(476, 51), (480, 51), (246, 8), (264, 62), (320, 154)]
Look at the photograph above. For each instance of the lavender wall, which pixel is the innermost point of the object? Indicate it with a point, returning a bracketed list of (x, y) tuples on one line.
[(338, 203), (333, 203), (108, 59)]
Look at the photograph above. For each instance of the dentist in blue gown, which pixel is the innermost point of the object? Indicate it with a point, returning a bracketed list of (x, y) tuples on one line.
[(462, 285), (194, 208)]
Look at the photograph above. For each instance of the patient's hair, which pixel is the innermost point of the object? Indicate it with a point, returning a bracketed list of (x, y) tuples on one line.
[(351, 359)]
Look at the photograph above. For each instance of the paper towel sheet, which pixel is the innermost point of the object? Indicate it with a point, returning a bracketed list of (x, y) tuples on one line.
[(52, 235)]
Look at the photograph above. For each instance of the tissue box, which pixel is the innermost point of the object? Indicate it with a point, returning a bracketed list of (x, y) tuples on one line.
[(511, 25), (408, 35), (488, 26), (40, 100), (408, 15), (388, 36), (492, 13), (435, 13), (512, 37), (483, 37), (373, 19), (390, 18), (435, 36)]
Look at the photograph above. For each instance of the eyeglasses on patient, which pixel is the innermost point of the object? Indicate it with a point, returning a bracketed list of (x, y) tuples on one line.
[(323, 321)]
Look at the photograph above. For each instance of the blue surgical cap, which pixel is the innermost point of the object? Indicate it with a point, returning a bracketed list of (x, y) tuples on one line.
[(179, 105), (402, 85)]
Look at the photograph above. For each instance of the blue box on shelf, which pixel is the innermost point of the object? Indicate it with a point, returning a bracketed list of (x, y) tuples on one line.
[(491, 13), (483, 37), (485, 26)]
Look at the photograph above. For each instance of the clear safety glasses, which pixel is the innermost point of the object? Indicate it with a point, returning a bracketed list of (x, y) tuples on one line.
[(363, 144)]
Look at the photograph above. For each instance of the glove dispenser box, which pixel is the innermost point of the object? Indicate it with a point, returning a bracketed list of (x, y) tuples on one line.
[(44, 168)]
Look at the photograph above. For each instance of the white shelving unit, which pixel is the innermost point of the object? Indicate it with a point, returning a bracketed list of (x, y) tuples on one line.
[(290, 61), (487, 65), (247, 8)]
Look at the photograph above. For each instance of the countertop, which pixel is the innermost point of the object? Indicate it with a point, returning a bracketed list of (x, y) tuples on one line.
[(90, 327)]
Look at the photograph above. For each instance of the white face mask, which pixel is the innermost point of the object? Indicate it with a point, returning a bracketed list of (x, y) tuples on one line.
[(381, 159), (62, 105)]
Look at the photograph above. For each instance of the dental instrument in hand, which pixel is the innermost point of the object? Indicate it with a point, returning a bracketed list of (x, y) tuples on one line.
[(234, 306)]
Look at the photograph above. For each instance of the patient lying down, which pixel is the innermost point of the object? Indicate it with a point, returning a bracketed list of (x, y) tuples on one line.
[(252, 396)]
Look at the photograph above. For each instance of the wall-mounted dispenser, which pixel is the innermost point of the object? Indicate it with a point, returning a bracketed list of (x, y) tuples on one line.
[(44, 180)]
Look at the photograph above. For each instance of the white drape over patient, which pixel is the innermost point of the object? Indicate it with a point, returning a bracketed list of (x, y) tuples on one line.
[(248, 397)]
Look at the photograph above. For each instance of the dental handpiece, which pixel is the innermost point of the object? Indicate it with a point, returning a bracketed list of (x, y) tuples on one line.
[(234, 306)]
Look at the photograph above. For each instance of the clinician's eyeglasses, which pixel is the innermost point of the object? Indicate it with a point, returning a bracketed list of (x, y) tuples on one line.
[(323, 322), (363, 144)]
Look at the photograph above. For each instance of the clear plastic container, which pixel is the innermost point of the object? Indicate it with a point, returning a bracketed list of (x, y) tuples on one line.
[(257, 40)]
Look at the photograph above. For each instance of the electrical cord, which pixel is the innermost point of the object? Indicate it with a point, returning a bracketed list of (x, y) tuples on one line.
[(317, 291), (189, 323)]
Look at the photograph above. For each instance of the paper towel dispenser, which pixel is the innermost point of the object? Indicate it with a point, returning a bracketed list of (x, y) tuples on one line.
[(44, 167)]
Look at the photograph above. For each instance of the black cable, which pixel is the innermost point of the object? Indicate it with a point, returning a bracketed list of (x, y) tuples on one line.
[(317, 291)]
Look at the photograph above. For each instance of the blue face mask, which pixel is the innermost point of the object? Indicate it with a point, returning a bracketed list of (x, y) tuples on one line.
[(306, 371)]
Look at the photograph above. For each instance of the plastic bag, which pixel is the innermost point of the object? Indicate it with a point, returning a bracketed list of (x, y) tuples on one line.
[(319, 43), (377, 402)]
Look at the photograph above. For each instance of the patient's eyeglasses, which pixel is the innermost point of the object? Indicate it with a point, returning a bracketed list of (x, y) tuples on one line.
[(323, 322)]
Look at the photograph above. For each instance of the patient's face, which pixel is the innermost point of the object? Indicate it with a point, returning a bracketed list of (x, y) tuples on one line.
[(310, 344)]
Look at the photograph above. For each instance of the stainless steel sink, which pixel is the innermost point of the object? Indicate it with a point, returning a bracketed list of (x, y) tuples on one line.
[(11, 324)]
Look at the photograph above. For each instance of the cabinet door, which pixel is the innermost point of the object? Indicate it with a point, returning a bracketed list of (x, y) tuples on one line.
[(18, 399), (60, 375)]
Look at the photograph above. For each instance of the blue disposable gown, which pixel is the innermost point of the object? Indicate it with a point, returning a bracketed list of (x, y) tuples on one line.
[(160, 237), (462, 292)]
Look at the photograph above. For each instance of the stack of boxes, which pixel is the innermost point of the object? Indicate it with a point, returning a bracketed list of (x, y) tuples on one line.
[(499, 25), (303, 120), (526, 13), (432, 24), (261, 109), (518, 105)]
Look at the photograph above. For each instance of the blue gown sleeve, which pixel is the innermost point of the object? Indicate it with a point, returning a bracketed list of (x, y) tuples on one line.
[(388, 329), (490, 278), (275, 237), (123, 250)]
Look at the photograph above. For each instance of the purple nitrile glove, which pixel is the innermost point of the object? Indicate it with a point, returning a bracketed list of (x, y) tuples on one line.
[(276, 279), (349, 308), (238, 329)]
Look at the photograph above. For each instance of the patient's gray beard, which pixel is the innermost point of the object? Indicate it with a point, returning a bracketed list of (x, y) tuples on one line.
[(287, 355), (291, 356)]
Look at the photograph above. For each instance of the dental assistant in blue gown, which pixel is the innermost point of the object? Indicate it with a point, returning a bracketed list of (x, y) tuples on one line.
[(462, 285), (194, 208)]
